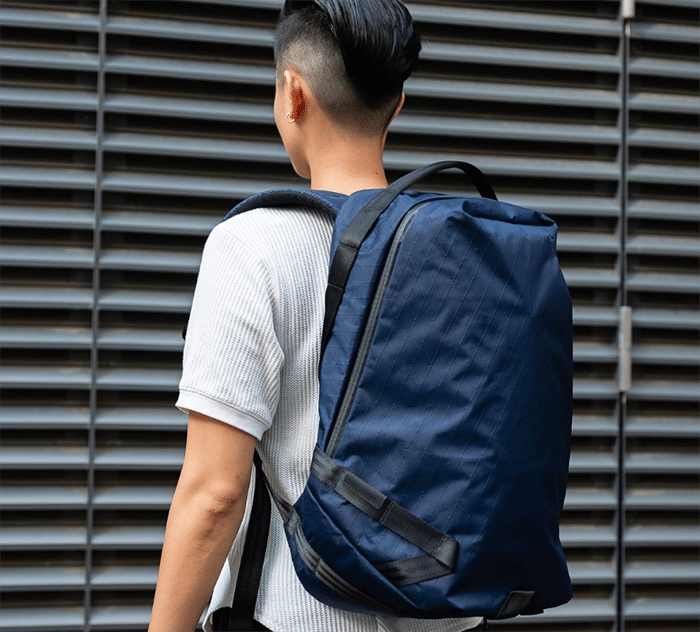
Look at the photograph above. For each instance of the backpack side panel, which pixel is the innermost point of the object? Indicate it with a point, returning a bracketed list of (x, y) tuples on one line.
[(464, 418)]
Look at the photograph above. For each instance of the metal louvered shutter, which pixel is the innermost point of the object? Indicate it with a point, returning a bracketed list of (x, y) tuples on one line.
[(661, 496), (128, 130)]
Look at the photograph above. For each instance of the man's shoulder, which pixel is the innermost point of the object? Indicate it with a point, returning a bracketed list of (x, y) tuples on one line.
[(267, 227)]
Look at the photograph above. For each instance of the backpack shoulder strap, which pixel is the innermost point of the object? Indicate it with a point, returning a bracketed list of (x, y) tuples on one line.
[(325, 201)]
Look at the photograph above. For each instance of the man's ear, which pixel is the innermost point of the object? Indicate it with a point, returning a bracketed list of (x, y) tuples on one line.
[(295, 98)]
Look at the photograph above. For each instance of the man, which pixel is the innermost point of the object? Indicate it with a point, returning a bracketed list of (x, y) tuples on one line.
[(253, 344)]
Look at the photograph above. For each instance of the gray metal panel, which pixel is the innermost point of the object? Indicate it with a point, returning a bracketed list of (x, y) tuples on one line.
[(530, 92)]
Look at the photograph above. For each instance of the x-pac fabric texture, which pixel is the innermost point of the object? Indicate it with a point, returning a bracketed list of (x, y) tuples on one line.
[(251, 360)]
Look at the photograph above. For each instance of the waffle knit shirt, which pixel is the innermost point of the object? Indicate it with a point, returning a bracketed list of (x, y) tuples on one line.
[(251, 360)]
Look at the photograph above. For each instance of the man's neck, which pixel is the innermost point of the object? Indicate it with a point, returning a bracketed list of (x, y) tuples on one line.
[(346, 166)]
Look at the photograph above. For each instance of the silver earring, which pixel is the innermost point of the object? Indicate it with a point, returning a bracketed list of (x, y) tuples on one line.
[(289, 118)]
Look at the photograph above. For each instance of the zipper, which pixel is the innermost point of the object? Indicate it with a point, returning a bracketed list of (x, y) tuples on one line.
[(368, 334)]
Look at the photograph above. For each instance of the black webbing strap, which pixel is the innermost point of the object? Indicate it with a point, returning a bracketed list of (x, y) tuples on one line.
[(361, 225), (239, 616), (440, 549)]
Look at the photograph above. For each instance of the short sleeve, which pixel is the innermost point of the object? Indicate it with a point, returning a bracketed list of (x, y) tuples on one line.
[(232, 357)]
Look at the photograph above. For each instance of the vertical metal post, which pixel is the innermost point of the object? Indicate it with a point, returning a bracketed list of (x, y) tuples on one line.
[(627, 12), (95, 324)]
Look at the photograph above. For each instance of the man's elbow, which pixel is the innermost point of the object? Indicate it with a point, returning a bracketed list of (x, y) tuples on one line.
[(222, 504)]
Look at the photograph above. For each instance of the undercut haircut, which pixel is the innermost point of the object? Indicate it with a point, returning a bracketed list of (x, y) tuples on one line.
[(354, 54)]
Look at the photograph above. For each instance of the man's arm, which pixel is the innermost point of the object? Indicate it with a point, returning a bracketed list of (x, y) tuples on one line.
[(204, 518)]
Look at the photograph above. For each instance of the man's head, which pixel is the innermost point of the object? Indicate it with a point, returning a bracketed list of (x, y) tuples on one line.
[(354, 54)]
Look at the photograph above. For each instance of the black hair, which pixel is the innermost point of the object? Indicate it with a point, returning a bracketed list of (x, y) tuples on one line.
[(356, 54)]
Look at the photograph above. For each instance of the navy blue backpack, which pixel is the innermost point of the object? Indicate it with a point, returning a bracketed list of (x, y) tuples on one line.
[(446, 391)]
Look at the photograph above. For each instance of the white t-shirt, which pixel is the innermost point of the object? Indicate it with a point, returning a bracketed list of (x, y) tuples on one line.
[(251, 360)]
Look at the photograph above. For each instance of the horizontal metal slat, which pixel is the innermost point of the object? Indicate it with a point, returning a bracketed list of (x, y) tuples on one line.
[(153, 261), (521, 57), (587, 573), (659, 245), (146, 301), (81, 179), (42, 497), (479, 128), (602, 316), (29, 538), (591, 278), (258, 151), (594, 426), (654, 102), (588, 536), (227, 188), (131, 617), (15, 619), (651, 282), (645, 173), (675, 355), (536, 167), (588, 352), (666, 318), (672, 609), (40, 417), (587, 242), (577, 500), (669, 210), (48, 217), (664, 32), (664, 391), (671, 572), (15, 136), (163, 418), (43, 457), (146, 497), (190, 69), (670, 3), (577, 609), (48, 99), (589, 463), (664, 68), (46, 257), (662, 537), (135, 379), (567, 205), (54, 19), (516, 20), (160, 223), (139, 379), (660, 499), (197, 109), (124, 577), (139, 458), (685, 139), (145, 339), (45, 337), (594, 389), (34, 376), (37, 58), (46, 297), (129, 537), (662, 464), (515, 93), (191, 30), (668, 426), (43, 578)]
